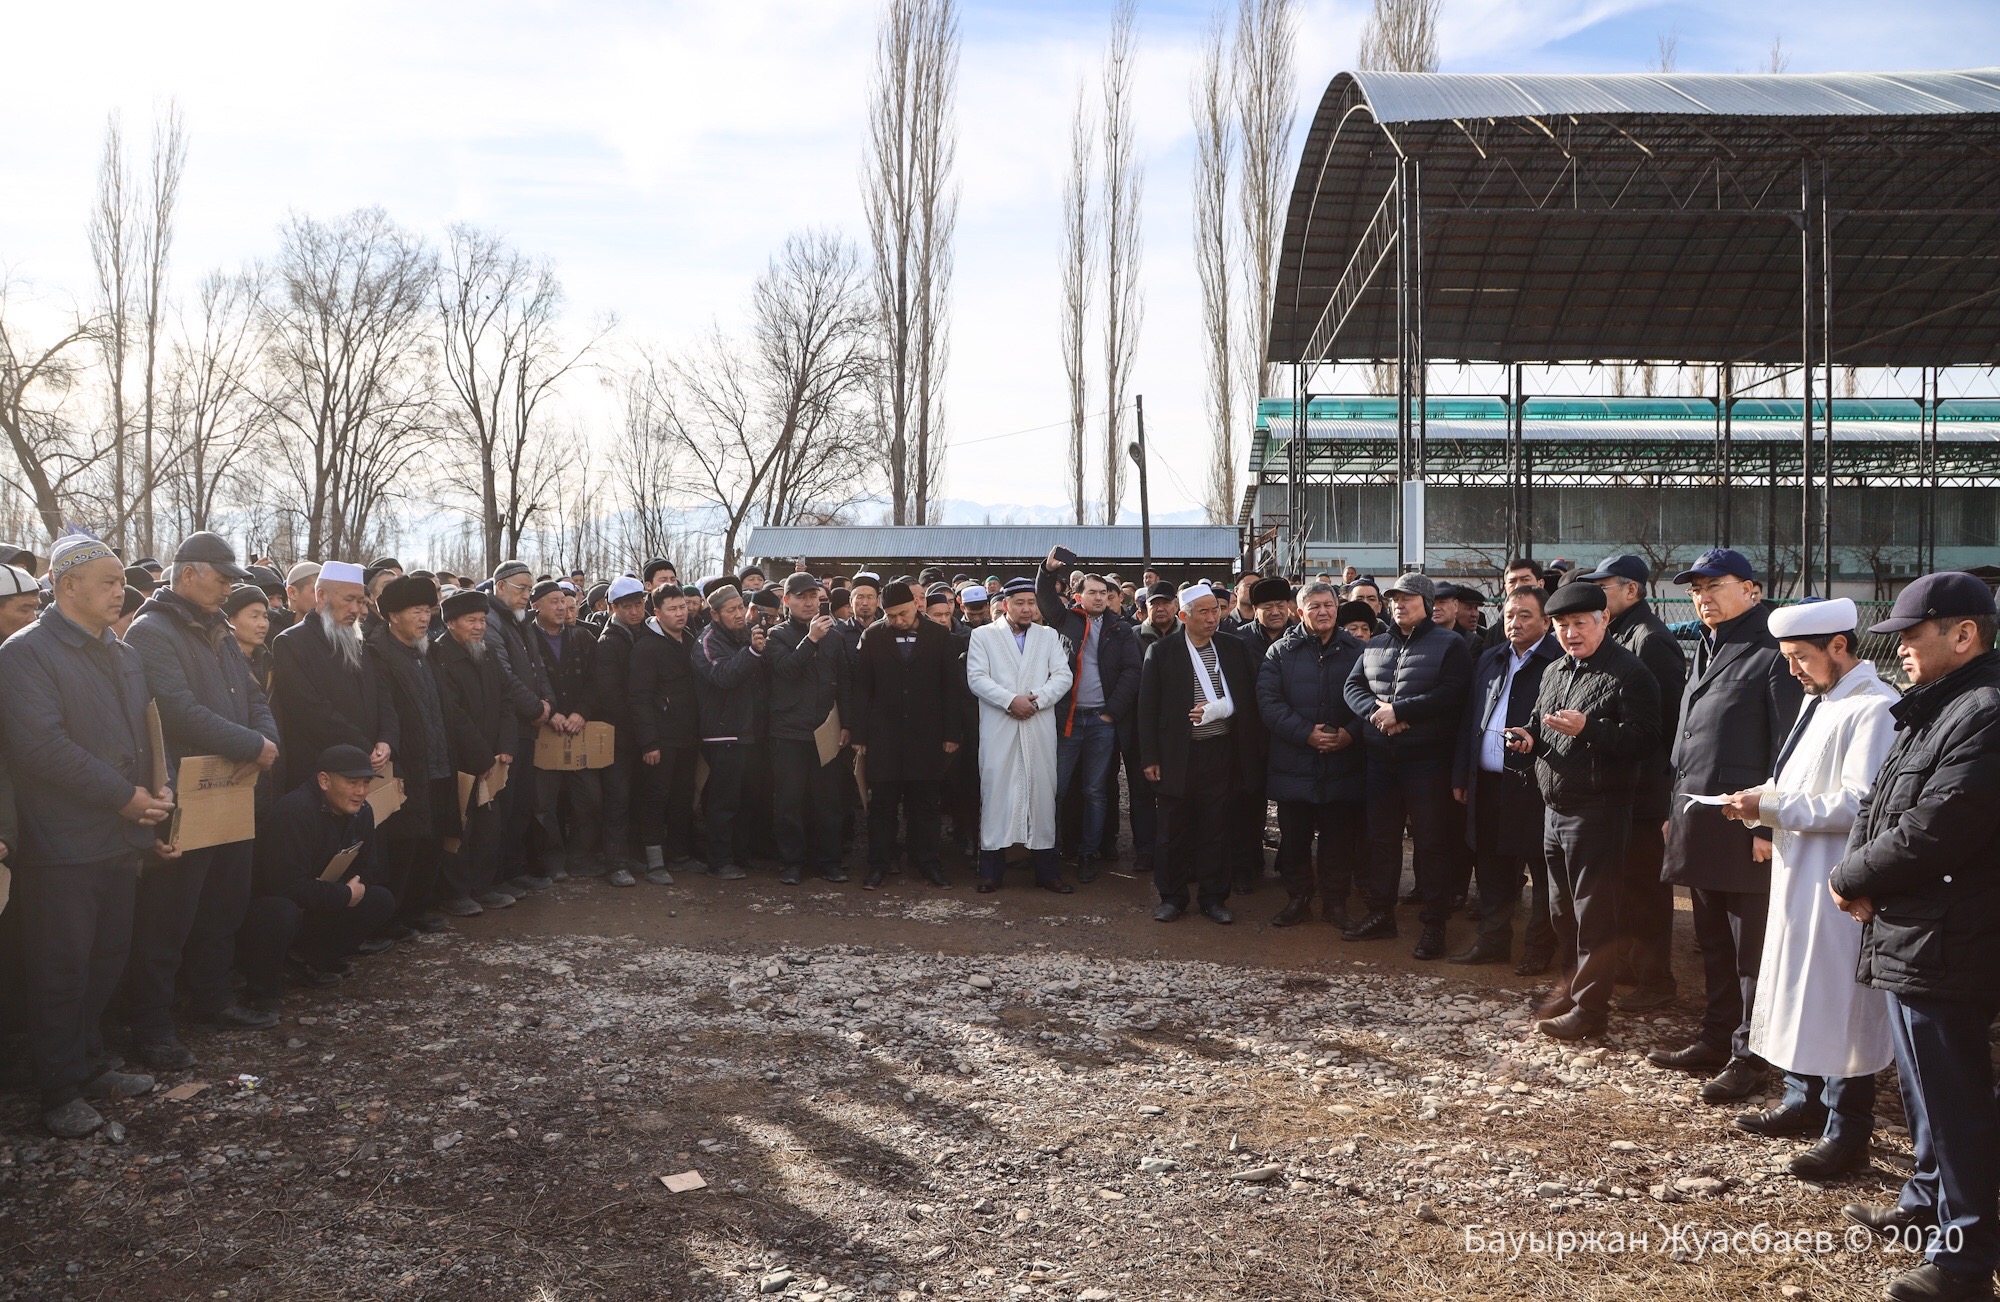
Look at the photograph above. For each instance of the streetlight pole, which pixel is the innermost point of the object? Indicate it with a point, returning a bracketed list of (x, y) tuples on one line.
[(1137, 451)]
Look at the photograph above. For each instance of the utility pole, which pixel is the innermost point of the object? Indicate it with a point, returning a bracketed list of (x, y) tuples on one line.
[(1137, 451)]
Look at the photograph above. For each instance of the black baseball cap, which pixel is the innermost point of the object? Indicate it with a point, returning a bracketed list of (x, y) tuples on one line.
[(1951, 594), (1623, 567), (206, 548), (800, 583), (346, 762)]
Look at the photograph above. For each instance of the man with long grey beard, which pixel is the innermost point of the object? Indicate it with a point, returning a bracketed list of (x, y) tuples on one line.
[(323, 690)]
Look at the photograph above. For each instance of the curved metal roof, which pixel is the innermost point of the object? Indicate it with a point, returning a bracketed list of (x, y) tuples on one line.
[(1656, 216)]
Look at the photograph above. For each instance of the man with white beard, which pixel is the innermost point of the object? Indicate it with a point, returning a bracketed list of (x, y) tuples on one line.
[(1827, 1033), (323, 690)]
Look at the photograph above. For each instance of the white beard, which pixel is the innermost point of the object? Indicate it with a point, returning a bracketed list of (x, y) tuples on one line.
[(344, 638), (477, 650)]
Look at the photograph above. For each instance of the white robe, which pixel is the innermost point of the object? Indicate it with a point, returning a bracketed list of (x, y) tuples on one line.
[(1811, 1016), (1017, 757)]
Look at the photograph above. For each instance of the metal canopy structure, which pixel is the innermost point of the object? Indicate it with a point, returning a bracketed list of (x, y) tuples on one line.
[(1806, 221), (829, 549)]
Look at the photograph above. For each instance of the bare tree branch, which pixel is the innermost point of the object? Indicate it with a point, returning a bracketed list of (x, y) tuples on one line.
[(1122, 188), (1210, 98), (1078, 262)]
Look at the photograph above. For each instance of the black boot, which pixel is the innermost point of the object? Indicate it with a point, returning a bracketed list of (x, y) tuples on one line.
[(1296, 910)]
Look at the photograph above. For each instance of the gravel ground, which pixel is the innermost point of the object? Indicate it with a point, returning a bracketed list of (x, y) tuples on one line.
[(995, 1097)]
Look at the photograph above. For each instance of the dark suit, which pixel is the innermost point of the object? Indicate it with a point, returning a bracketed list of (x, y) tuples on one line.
[(320, 702), (905, 710), (1736, 711), (1197, 778), (1504, 810)]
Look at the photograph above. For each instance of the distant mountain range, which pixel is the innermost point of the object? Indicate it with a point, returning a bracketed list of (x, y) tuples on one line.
[(959, 511)]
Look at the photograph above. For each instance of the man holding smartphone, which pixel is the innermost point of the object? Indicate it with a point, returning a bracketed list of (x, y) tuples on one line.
[(1597, 717)]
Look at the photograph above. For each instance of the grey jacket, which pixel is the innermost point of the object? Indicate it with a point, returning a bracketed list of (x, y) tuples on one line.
[(521, 669), (209, 703)]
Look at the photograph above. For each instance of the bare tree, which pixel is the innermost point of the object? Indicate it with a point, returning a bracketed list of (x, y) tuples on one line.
[(347, 317), (1214, 160), (1401, 36), (1122, 186), (498, 317), (213, 417), (647, 462), (1079, 259), (50, 450), (1779, 59), (156, 239), (912, 205), (753, 420), (1265, 82), (114, 253)]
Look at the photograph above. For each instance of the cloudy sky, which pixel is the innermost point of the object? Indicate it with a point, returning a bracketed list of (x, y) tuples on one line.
[(658, 151)]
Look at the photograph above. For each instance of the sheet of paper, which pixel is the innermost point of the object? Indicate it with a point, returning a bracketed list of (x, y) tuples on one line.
[(827, 737), (336, 867), (684, 1182), (496, 781), (1694, 800)]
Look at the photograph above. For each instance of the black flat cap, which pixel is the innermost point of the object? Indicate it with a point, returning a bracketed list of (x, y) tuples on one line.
[(1573, 597)]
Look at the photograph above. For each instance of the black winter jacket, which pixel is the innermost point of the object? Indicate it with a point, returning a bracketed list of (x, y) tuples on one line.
[(320, 701), (1303, 682), (611, 678), (665, 713), (209, 703), (1641, 632), (476, 721), (732, 684), (570, 672), (296, 839), (1425, 676), (1167, 691), (1118, 655), (520, 666), (808, 678), (1925, 849), (1621, 704)]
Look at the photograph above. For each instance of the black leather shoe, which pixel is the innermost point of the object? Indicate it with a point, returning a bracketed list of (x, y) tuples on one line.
[(1830, 1159), (1928, 1283), (1643, 1000), (1739, 1080), (873, 880), (396, 931), (935, 876), (1776, 1123), (1576, 1024), (1215, 912), (1482, 952), (1337, 917), (1694, 1057), (1430, 944), (1534, 963), (167, 1055), (1380, 925), (836, 876), (1169, 911), (790, 876), (375, 945), (1296, 910), (987, 888), (234, 1018), (1087, 868), (305, 974), (1888, 1219), (1057, 886), (431, 923)]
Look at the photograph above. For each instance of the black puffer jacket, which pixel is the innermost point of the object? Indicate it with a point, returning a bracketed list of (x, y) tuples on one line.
[(662, 694), (1425, 676), (808, 678), (1925, 849), (731, 685), (1621, 704), (1303, 682)]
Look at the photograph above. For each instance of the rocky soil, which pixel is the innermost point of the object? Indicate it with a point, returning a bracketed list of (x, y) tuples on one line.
[(917, 1094)]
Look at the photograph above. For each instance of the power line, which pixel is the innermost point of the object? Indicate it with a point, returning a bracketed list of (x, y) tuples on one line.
[(990, 438)]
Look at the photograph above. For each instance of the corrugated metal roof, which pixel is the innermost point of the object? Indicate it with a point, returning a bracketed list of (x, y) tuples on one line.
[(1444, 97), (1651, 430), (1000, 542)]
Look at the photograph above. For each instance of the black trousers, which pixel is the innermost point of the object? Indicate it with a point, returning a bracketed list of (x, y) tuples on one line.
[(1729, 929), (1586, 852), (805, 806), (277, 926), (1193, 849), (1248, 812), (471, 869), (184, 923), (411, 869), (1416, 792), (1145, 816), (616, 783), (1326, 869), (1646, 909), (961, 790), (586, 804), (77, 922), (1499, 875), (666, 801), (919, 804), (722, 801), (517, 813)]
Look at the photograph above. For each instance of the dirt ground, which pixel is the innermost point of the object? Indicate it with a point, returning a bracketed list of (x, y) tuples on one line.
[(919, 1093)]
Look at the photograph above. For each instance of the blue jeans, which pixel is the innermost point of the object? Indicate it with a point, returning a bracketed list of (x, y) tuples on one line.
[(1946, 1068), (1090, 747), (1849, 1102)]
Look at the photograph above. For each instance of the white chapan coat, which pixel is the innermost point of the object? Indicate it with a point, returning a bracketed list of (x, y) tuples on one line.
[(1811, 1016), (1017, 757)]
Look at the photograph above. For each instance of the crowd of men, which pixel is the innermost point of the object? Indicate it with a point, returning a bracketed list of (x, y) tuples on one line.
[(1840, 859)]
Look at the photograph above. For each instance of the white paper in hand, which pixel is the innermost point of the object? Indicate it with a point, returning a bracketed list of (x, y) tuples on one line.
[(1694, 800)]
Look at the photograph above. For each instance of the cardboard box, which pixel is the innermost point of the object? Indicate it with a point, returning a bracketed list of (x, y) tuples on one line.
[(574, 751), (215, 803)]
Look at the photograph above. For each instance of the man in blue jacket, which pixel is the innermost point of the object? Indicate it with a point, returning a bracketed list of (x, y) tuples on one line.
[(189, 911), (1408, 688), (1318, 771), (77, 742), (297, 906)]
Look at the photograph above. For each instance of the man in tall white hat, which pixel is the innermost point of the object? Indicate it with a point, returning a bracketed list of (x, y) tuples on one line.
[(1813, 1021)]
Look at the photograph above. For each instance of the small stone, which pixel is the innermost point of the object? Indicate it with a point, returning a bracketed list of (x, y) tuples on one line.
[(1549, 1189), (1094, 1295), (553, 1137), (1258, 1174), (1023, 1215), (1343, 1110), (1790, 1290), (982, 1205), (1623, 1146), (295, 1043), (1158, 1165), (1426, 1212), (775, 1281), (1111, 1195), (1699, 1186), (442, 1142), (979, 982), (1151, 1110), (114, 1132)]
